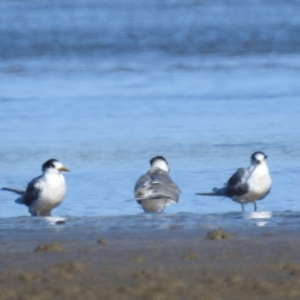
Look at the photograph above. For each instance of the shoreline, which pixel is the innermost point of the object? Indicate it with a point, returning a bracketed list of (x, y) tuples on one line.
[(177, 263)]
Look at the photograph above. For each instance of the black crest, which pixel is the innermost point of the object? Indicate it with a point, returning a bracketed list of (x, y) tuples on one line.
[(253, 156), (154, 159), (49, 164)]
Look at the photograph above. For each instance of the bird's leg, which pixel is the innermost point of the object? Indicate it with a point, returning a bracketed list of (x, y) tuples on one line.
[(255, 207), (243, 209)]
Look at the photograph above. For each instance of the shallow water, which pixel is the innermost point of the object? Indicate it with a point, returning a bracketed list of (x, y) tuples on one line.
[(108, 86), (232, 221)]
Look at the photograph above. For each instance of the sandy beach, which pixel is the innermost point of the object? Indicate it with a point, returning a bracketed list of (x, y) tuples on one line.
[(252, 263)]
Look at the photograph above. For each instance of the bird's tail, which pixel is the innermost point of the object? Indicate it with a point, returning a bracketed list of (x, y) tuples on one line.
[(20, 200), (207, 194), (17, 191), (215, 192)]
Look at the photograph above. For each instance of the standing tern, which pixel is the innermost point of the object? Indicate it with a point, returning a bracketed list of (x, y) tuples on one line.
[(155, 189), (247, 184), (44, 192)]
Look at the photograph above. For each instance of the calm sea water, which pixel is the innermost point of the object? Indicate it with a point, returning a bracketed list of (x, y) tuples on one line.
[(104, 86)]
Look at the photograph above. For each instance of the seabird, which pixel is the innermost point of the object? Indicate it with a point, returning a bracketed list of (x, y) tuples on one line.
[(44, 192), (155, 189), (247, 184)]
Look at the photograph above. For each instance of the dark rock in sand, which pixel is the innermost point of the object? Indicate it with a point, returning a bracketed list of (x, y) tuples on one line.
[(217, 234), (102, 242), (52, 247)]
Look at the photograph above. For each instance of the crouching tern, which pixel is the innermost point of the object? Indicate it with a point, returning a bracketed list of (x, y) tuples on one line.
[(247, 184), (44, 192), (155, 189)]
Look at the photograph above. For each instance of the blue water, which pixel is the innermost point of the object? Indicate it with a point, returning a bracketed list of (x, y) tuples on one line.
[(104, 86)]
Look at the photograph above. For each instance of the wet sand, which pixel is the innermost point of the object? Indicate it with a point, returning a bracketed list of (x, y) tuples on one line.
[(252, 263)]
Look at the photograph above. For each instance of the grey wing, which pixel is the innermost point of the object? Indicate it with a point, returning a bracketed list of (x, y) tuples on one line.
[(237, 183), (156, 185), (142, 189), (141, 185), (165, 186), (32, 192)]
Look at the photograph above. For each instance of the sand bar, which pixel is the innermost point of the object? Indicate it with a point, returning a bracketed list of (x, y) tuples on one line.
[(176, 263)]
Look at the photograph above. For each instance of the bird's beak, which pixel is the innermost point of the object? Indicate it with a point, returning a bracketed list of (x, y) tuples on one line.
[(63, 169)]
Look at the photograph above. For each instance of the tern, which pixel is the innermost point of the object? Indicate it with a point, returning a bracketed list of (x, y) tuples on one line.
[(44, 192), (247, 184), (155, 189)]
